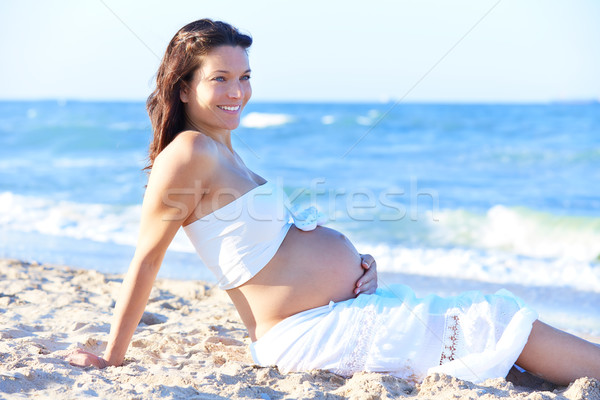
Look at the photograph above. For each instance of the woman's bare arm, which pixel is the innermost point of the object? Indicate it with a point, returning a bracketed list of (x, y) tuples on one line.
[(169, 200)]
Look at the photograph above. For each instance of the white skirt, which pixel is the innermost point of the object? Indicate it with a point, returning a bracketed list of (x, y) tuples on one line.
[(470, 336)]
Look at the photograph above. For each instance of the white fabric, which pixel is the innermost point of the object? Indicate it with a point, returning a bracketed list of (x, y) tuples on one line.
[(236, 241), (307, 219), (472, 336)]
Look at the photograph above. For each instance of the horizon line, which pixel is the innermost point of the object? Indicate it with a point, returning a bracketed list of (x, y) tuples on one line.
[(574, 101)]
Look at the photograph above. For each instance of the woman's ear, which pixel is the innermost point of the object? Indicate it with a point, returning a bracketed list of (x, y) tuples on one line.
[(184, 92)]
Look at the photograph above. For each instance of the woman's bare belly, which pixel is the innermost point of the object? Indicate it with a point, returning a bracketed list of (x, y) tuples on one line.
[(309, 270)]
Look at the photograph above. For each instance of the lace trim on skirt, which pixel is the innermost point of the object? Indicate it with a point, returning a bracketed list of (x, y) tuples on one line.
[(364, 330)]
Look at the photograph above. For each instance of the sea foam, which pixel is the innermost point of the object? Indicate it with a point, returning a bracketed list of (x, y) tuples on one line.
[(104, 223), (485, 266), (265, 120), (522, 231)]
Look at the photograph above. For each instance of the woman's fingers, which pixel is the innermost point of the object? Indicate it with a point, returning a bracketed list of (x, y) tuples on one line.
[(81, 358), (368, 282), (367, 260)]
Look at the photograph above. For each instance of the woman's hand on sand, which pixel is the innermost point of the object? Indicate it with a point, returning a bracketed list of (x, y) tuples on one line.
[(368, 282), (81, 358)]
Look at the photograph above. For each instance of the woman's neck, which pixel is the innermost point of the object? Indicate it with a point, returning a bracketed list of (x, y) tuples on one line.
[(221, 136)]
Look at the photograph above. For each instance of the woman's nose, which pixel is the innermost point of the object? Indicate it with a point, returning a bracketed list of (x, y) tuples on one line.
[(235, 90)]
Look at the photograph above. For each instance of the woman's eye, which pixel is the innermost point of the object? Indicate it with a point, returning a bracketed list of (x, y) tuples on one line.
[(245, 78), (220, 79)]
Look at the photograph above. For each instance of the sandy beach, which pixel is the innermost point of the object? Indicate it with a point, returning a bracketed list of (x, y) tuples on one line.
[(190, 344)]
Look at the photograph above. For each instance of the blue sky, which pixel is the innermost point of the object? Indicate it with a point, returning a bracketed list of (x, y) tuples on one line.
[(419, 51)]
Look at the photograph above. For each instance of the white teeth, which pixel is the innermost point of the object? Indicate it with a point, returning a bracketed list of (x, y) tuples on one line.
[(227, 108)]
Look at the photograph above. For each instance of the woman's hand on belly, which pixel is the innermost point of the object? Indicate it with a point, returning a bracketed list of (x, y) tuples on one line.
[(368, 282)]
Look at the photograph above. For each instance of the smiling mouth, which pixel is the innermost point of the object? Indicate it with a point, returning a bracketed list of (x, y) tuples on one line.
[(229, 108)]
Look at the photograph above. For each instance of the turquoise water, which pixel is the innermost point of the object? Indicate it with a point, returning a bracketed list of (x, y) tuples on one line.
[(495, 194)]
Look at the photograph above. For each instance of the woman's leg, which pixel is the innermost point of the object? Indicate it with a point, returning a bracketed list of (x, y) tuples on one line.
[(559, 357)]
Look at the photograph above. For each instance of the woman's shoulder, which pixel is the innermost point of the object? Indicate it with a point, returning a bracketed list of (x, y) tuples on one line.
[(189, 147), (191, 156)]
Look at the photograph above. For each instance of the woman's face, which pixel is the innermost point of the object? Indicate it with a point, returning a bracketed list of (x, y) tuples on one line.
[(219, 90)]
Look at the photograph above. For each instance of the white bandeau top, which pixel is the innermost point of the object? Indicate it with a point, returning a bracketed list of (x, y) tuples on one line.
[(237, 240)]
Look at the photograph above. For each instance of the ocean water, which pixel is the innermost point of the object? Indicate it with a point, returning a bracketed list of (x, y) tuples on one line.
[(446, 197)]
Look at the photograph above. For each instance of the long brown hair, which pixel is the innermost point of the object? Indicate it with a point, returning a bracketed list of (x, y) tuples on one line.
[(181, 59)]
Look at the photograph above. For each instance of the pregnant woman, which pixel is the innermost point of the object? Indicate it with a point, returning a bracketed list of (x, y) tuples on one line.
[(303, 291)]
